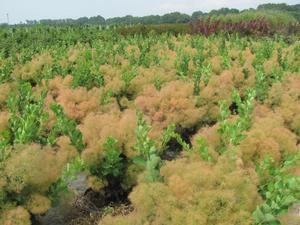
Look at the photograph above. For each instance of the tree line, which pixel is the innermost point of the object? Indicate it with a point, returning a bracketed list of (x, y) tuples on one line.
[(174, 17)]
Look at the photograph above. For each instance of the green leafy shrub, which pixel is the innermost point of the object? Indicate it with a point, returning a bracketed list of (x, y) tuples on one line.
[(148, 154), (232, 132), (279, 189), (5, 72), (182, 64), (261, 84), (113, 163), (65, 126), (273, 16), (203, 149), (197, 79), (87, 76), (26, 123), (127, 76), (170, 133)]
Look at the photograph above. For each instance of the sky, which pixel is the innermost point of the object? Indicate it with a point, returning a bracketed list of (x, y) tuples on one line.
[(21, 10)]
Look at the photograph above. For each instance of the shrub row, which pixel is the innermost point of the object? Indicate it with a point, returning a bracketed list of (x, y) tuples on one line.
[(257, 27)]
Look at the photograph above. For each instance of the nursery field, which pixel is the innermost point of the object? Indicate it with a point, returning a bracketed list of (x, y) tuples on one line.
[(157, 129)]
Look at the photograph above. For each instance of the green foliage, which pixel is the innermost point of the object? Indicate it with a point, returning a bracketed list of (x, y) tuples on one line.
[(144, 143), (224, 110), (199, 57), (241, 59), (127, 76), (277, 75), (203, 149), (273, 16), (65, 126), (171, 44), (282, 60), (296, 50), (226, 61), (261, 84), (152, 167), (203, 71), (291, 9), (145, 47), (112, 164), (170, 133), (263, 52), (70, 172), (5, 71), (223, 50), (279, 189), (106, 97), (244, 106), (232, 132), (222, 46), (267, 48), (26, 123), (3, 152), (197, 79), (157, 83), (87, 76), (182, 64), (246, 73), (148, 154), (206, 71), (131, 56)]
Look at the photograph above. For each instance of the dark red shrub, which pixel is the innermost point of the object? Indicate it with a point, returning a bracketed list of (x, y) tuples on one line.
[(208, 27)]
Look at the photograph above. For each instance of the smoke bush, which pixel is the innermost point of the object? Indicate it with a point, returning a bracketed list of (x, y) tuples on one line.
[(15, 216), (33, 69), (174, 103), (268, 136), (194, 192)]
